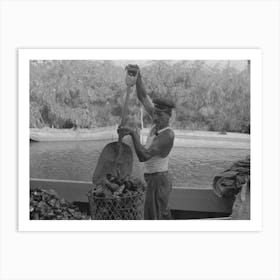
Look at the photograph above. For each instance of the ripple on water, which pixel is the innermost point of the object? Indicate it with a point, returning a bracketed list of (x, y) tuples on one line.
[(193, 167)]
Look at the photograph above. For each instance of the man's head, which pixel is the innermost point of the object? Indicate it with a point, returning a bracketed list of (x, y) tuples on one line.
[(162, 112)]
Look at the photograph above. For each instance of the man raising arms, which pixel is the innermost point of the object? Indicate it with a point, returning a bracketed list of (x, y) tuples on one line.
[(155, 152)]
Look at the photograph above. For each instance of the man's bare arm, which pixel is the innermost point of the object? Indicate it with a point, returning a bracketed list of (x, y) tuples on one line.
[(161, 146), (143, 97)]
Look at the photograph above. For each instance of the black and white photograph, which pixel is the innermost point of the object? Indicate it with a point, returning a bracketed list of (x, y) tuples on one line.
[(139, 139), (116, 136)]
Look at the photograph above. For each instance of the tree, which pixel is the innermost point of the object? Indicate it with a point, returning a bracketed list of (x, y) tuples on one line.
[(65, 93)]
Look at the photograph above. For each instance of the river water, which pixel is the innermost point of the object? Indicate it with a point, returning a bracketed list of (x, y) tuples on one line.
[(190, 167)]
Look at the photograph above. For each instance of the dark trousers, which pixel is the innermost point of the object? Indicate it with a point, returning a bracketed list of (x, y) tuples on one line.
[(159, 186)]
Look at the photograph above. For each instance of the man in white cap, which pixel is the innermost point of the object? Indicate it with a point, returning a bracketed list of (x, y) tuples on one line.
[(155, 152)]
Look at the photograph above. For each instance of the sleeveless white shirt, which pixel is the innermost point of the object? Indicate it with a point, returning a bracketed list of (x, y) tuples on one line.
[(156, 163)]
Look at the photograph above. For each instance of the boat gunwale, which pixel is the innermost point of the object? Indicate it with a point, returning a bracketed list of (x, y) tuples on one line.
[(183, 199)]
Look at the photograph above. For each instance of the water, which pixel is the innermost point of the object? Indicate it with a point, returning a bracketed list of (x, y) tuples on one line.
[(190, 167)]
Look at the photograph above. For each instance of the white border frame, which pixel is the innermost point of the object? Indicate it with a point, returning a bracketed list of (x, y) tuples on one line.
[(25, 55)]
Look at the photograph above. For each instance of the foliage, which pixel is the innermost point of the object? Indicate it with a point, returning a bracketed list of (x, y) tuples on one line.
[(86, 94)]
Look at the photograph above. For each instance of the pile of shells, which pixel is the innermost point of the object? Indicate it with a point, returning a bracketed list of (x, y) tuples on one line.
[(47, 205), (112, 187)]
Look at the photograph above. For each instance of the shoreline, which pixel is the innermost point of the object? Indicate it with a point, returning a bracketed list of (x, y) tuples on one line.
[(183, 138)]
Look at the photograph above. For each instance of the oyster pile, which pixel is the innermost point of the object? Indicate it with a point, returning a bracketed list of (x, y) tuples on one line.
[(47, 205), (113, 187)]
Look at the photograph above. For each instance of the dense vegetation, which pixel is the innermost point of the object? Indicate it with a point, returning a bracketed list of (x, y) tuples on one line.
[(87, 94)]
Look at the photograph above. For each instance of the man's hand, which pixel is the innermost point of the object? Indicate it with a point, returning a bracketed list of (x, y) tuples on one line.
[(123, 131), (131, 74)]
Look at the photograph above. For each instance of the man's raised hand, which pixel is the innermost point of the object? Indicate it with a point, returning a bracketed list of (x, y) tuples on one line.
[(131, 74)]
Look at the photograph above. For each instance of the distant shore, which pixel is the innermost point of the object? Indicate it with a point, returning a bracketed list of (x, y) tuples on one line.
[(53, 134), (184, 138)]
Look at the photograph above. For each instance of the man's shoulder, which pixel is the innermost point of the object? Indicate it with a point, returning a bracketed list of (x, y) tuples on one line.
[(168, 133), (165, 141)]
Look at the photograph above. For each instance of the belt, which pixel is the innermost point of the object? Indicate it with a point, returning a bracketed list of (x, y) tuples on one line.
[(156, 173)]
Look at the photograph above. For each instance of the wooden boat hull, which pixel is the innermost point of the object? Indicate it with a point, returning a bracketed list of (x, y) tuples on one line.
[(185, 203)]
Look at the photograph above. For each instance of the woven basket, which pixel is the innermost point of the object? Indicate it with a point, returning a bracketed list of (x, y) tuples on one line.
[(121, 208)]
